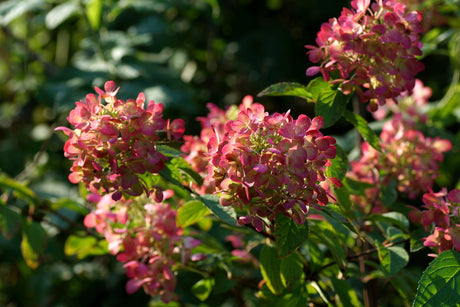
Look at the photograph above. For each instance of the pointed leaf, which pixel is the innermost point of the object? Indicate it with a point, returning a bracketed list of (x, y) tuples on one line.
[(439, 285), (363, 128), (270, 269), (191, 212), (289, 235), (316, 86), (331, 105), (226, 214), (287, 89)]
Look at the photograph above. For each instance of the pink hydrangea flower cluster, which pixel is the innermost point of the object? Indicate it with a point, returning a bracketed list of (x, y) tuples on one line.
[(407, 156), (441, 215), (113, 143), (371, 49), (195, 147), (270, 164), (146, 239)]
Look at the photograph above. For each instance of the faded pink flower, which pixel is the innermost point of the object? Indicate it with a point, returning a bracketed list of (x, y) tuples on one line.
[(112, 144), (370, 48), (268, 164)]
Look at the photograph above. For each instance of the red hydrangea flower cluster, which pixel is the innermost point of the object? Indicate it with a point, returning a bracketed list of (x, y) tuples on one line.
[(441, 213), (113, 143), (195, 147), (270, 164), (407, 156), (150, 242), (372, 47)]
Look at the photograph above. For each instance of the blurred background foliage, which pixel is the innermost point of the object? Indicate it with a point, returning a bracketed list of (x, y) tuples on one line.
[(183, 53)]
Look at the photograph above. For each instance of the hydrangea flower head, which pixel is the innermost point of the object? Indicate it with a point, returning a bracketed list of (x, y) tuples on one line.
[(113, 143), (269, 164), (371, 49)]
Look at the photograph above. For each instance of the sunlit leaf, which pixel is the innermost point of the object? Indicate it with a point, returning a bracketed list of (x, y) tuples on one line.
[(347, 296), (339, 165), (191, 212), (439, 285)]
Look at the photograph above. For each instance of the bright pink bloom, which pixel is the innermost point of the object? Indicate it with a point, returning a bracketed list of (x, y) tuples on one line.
[(371, 49), (112, 144), (269, 164)]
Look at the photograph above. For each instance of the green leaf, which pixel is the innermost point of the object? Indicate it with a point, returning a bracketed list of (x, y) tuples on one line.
[(191, 212), (270, 269), (332, 238), (439, 285), (392, 258), (94, 13), (291, 269), (60, 13), (203, 288), (389, 193), (330, 106), (347, 296), (20, 190), (169, 151), (13, 9), (10, 222), (226, 214), (363, 128), (84, 246), (287, 89), (339, 165), (33, 243), (316, 86), (289, 235)]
